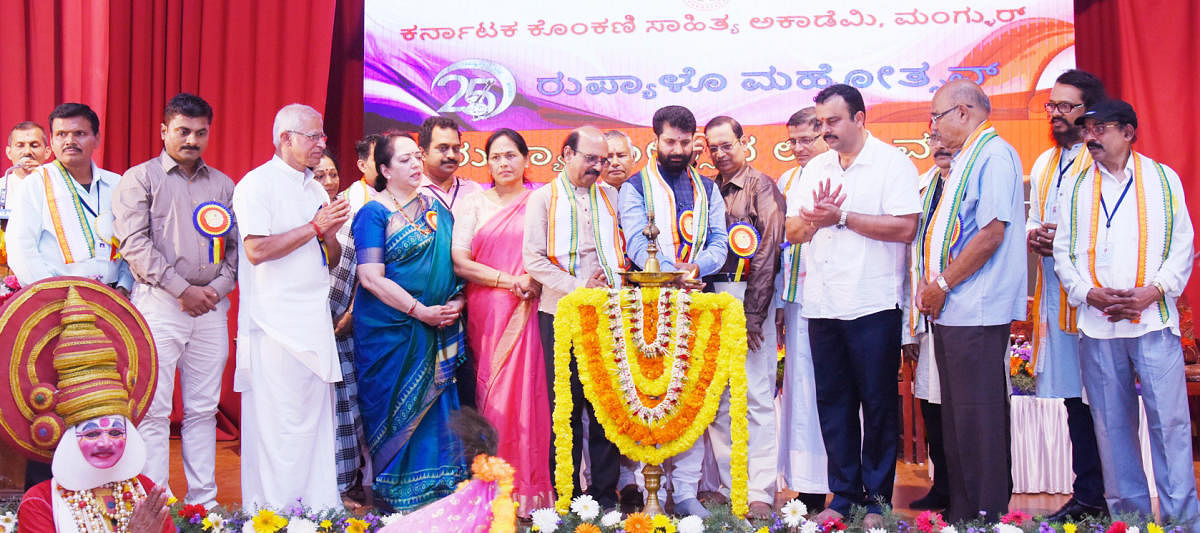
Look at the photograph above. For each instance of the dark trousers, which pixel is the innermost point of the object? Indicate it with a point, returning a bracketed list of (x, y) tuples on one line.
[(972, 361), (605, 460), (932, 413), (1085, 455), (856, 362)]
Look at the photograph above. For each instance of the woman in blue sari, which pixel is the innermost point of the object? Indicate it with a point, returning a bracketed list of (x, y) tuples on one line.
[(408, 336)]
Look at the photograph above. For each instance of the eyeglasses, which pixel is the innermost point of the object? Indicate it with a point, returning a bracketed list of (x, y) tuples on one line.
[(316, 136), (934, 117), (405, 159), (727, 147), (592, 160), (1097, 129), (797, 142), (1062, 107)]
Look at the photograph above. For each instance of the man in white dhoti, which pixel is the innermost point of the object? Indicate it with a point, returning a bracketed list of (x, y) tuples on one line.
[(62, 222), (1123, 252), (287, 361), (802, 459)]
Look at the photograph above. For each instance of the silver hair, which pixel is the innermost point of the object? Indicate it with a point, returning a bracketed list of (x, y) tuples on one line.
[(289, 118), (618, 134)]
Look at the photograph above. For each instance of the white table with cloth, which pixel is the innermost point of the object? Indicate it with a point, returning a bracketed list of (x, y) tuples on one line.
[(1041, 446)]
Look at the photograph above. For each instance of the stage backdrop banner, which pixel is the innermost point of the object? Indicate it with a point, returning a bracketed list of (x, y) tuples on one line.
[(546, 68)]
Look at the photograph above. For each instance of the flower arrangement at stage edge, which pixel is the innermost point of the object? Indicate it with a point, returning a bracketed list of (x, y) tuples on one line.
[(8, 522), (1020, 352)]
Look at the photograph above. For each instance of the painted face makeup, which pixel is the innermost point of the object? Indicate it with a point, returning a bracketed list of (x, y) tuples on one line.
[(102, 440)]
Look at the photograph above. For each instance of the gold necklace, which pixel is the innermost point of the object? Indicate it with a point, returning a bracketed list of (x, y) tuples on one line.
[(424, 230)]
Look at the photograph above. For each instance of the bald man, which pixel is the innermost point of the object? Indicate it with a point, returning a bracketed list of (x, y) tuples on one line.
[(596, 255), (972, 285)]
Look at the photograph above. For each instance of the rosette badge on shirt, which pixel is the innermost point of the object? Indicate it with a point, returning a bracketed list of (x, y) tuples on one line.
[(213, 220), (743, 242)]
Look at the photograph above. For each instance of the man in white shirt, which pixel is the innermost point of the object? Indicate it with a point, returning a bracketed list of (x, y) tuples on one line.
[(440, 141), (1123, 251), (62, 221), (27, 149), (856, 210), (1056, 336), (972, 285), (801, 450), (287, 361)]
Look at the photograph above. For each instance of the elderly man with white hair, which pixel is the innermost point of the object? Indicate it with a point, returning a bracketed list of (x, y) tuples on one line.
[(287, 361)]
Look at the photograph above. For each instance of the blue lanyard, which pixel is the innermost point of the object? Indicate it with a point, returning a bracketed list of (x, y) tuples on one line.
[(1109, 216)]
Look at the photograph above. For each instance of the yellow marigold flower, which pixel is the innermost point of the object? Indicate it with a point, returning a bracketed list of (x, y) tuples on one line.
[(326, 524), (206, 523), (1153, 528), (1068, 528), (762, 530), (355, 525), (171, 500), (662, 523), (266, 521)]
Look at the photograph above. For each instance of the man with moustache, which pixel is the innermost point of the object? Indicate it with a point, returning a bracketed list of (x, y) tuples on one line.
[(620, 159), (855, 210), (173, 220), (918, 341), (27, 149), (62, 219), (1123, 253), (972, 285), (287, 362), (564, 257), (754, 213), (441, 143), (1056, 337), (690, 214), (801, 451)]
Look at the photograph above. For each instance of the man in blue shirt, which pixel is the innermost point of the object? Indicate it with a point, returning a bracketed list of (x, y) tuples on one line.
[(973, 285), (690, 215)]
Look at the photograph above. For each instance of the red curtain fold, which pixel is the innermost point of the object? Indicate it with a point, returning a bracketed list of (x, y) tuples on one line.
[(1145, 51)]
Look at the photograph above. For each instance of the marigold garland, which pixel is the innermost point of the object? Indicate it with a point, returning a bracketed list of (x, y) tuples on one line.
[(651, 428), (504, 510)]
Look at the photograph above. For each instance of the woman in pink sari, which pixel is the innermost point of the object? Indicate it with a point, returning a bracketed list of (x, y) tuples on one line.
[(502, 327)]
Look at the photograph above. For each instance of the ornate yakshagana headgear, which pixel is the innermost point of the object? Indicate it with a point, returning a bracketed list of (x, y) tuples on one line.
[(86, 340)]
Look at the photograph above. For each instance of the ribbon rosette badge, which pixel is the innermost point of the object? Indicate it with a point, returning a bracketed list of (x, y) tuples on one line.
[(213, 220), (687, 235), (743, 242), (431, 219)]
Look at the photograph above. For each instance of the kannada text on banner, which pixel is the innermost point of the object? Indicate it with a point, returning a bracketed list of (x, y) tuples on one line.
[(544, 69)]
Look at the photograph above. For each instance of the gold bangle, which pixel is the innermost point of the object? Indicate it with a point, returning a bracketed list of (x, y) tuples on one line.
[(497, 278)]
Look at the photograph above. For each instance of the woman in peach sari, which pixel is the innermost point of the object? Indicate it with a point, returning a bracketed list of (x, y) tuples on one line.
[(502, 329)]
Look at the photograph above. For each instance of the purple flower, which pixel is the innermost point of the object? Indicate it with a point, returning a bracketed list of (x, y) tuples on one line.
[(1045, 528), (902, 527), (195, 519)]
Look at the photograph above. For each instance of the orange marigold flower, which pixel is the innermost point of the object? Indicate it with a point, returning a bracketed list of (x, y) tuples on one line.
[(587, 528), (638, 523)]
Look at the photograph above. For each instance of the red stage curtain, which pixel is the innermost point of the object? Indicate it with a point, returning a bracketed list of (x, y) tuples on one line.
[(126, 58), (1146, 52)]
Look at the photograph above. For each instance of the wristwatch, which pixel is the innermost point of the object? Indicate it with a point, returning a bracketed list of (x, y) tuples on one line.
[(941, 281), (841, 223)]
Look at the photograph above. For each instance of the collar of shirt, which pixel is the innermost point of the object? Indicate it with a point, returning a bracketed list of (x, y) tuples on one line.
[(738, 180), (1128, 170), (169, 163), (287, 170)]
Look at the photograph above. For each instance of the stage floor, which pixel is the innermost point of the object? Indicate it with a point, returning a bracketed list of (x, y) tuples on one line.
[(911, 483)]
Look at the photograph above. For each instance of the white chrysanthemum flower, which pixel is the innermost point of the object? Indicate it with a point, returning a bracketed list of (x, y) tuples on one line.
[(1008, 528), (611, 519), (876, 530), (248, 526), (214, 523), (793, 513), (8, 523), (545, 520), (690, 524), (301, 525), (809, 527), (387, 520), (949, 529), (1132, 529), (585, 506)]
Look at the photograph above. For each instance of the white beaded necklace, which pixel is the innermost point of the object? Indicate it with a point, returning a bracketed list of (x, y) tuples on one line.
[(92, 515)]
